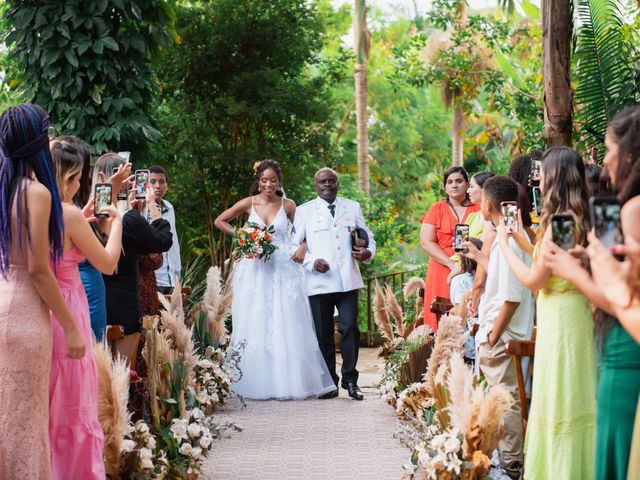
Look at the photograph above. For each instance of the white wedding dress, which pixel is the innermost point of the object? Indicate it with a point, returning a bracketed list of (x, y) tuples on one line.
[(271, 316)]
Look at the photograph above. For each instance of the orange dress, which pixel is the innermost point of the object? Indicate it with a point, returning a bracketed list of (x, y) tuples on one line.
[(442, 217)]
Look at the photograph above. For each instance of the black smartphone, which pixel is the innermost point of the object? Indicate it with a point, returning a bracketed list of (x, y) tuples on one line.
[(605, 219), (122, 194), (142, 180), (534, 176), (102, 200), (563, 230), (461, 235), (509, 211), (537, 200)]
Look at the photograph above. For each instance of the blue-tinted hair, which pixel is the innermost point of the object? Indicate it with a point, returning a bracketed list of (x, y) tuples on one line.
[(24, 151)]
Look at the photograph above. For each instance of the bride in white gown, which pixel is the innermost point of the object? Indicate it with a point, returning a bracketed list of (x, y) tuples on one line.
[(270, 312)]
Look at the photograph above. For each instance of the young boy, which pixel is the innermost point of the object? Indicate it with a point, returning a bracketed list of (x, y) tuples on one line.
[(505, 312), (170, 270)]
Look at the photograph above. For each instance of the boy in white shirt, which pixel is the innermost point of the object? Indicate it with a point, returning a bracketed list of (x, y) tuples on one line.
[(505, 312)]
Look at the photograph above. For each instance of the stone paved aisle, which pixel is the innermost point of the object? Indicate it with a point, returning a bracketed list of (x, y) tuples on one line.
[(313, 439)]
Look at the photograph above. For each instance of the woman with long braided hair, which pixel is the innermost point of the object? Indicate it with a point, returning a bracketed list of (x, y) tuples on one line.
[(31, 233)]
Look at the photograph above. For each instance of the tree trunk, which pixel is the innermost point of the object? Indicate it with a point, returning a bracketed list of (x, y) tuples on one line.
[(556, 65), (457, 136), (362, 128)]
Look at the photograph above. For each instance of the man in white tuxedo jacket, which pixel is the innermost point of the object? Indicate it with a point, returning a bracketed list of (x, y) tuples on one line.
[(333, 277)]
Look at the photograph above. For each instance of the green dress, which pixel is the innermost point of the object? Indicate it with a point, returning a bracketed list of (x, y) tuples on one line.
[(560, 440), (618, 390)]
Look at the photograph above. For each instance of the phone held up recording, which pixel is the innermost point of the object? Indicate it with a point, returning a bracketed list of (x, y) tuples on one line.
[(102, 200), (141, 182), (122, 193), (605, 220), (461, 235), (509, 212), (563, 231)]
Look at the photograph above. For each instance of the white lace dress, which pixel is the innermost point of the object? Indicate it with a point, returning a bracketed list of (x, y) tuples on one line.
[(271, 316)]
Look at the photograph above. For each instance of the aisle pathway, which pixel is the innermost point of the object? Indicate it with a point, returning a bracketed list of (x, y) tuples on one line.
[(313, 439)]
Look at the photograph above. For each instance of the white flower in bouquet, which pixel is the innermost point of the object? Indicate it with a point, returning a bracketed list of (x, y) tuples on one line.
[(142, 427), (454, 463), (259, 250), (194, 430), (146, 458), (452, 445), (196, 453), (128, 445), (151, 442), (202, 397), (179, 428), (205, 442), (204, 363), (186, 449), (196, 413), (206, 378), (437, 442), (215, 398)]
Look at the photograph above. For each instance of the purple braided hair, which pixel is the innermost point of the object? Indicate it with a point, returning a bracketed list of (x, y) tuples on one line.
[(24, 151)]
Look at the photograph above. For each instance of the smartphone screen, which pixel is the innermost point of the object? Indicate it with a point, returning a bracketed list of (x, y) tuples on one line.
[(102, 200), (142, 179), (509, 212), (461, 235), (537, 200), (122, 194), (605, 219), (536, 166), (563, 229)]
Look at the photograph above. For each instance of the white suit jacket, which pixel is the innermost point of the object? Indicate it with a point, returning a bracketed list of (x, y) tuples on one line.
[(329, 238)]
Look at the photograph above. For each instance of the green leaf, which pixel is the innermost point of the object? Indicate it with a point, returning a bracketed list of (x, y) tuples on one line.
[(508, 68), (95, 95), (71, 57), (64, 30), (532, 11), (98, 47), (110, 43), (83, 46)]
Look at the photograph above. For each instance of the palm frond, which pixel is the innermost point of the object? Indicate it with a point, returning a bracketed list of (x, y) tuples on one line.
[(601, 75)]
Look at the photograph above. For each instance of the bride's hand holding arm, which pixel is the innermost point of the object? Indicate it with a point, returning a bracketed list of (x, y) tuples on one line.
[(222, 221)]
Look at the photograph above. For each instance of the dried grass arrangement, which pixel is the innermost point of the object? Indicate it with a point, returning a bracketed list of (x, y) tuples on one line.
[(461, 448)]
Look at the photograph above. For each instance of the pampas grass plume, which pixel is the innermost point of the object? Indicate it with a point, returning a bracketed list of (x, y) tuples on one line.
[(394, 309), (380, 314)]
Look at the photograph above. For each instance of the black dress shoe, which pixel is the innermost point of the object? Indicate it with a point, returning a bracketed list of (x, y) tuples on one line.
[(354, 390), (331, 394)]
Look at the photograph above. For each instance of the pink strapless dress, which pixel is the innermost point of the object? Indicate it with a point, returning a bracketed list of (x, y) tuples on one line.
[(76, 437)]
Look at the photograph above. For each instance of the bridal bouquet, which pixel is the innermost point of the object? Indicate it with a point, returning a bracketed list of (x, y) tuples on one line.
[(254, 241)]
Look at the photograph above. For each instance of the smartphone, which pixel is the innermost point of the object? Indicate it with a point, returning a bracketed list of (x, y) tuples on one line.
[(605, 219), (122, 194), (536, 166), (537, 200), (125, 155), (102, 200), (509, 211), (563, 230), (142, 180), (461, 235)]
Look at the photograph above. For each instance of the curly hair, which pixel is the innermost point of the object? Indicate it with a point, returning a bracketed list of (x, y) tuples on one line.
[(262, 166)]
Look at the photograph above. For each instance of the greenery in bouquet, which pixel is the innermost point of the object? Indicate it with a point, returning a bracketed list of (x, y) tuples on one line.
[(254, 241)]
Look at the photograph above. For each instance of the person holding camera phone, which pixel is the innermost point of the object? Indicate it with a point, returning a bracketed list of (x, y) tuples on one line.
[(139, 237), (560, 439), (619, 378), (73, 389)]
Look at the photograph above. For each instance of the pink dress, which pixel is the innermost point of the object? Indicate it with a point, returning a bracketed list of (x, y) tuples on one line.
[(75, 434), (25, 356)]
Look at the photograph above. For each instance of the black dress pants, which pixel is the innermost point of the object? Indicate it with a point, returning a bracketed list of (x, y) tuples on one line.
[(322, 308)]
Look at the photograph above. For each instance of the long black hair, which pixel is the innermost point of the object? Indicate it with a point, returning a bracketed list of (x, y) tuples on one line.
[(24, 151), (262, 166)]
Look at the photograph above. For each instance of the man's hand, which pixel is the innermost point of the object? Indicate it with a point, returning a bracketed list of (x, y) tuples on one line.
[(361, 254), (321, 266)]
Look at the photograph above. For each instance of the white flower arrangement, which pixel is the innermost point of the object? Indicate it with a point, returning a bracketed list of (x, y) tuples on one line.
[(413, 401), (140, 455), (214, 376)]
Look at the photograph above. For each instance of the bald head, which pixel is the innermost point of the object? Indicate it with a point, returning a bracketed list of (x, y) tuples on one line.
[(326, 184)]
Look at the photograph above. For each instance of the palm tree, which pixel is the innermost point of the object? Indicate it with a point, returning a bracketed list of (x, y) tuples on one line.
[(556, 66), (361, 45), (603, 80)]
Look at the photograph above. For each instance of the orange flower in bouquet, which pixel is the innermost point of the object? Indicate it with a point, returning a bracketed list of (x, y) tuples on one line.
[(254, 241)]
